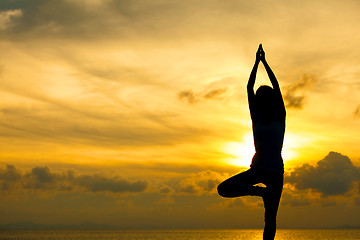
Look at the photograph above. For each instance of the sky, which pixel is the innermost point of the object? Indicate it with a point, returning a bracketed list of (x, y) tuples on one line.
[(130, 113)]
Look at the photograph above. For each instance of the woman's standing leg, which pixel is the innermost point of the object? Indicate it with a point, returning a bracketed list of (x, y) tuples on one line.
[(274, 183)]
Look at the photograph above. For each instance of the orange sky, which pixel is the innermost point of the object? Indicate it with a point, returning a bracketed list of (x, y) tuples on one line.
[(130, 113)]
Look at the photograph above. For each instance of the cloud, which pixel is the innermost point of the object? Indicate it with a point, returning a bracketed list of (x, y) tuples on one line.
[(333, 175), (9, 174), (292, 197), (357, 201), (166, 190), (188, 95), (52, 17), (185, 179), (214, 93), (201, 183), (357, 111), (193, 98), (65, 124), (294, 201), (97, 183), (96, 19), (245, 202), (233, 203), (165, 201), (7, 18), (42, 174), (295, 93), (41, 178)]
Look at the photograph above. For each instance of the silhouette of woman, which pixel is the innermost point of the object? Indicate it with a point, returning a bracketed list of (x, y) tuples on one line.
[(267, 113)]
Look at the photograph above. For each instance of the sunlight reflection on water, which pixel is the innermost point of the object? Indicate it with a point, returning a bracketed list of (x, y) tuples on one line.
[(248, 234)]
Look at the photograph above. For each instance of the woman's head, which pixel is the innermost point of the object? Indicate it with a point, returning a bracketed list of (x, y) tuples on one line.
[(265, 100), (264, 93)]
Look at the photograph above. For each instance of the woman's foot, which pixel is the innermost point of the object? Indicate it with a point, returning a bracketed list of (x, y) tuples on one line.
[(258, 191)]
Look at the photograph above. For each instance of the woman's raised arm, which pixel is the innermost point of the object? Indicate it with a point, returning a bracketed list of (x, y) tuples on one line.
[(273, 80), (251, 83)]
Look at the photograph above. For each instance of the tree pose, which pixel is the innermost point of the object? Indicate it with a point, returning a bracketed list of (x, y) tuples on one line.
[(268, 114)]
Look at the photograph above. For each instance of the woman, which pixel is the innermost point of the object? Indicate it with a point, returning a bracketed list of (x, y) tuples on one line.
[(268, 113)]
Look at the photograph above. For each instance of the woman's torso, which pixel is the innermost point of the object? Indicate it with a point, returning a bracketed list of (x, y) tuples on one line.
[(268, 139)]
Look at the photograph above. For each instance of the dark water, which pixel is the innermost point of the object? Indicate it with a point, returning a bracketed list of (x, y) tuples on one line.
[(249, 234)]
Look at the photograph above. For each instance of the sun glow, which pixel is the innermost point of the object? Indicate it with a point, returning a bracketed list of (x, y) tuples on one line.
[(241, 153), (294, 144)]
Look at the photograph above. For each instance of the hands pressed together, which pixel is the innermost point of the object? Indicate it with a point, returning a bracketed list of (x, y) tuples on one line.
[(260, 54)]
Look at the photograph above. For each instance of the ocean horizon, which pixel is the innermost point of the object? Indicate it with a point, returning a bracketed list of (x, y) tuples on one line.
[(211, 234)]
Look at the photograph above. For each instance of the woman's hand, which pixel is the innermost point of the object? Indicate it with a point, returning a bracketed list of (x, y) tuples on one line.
[(260, 54)]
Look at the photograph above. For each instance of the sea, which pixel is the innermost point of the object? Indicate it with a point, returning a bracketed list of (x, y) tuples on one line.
[(248, 234)]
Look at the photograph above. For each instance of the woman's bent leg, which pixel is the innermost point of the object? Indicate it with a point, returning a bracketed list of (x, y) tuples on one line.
[(241, 185)]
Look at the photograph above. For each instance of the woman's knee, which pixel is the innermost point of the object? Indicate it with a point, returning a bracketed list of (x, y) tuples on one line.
[(222, 190), (227, 190)]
